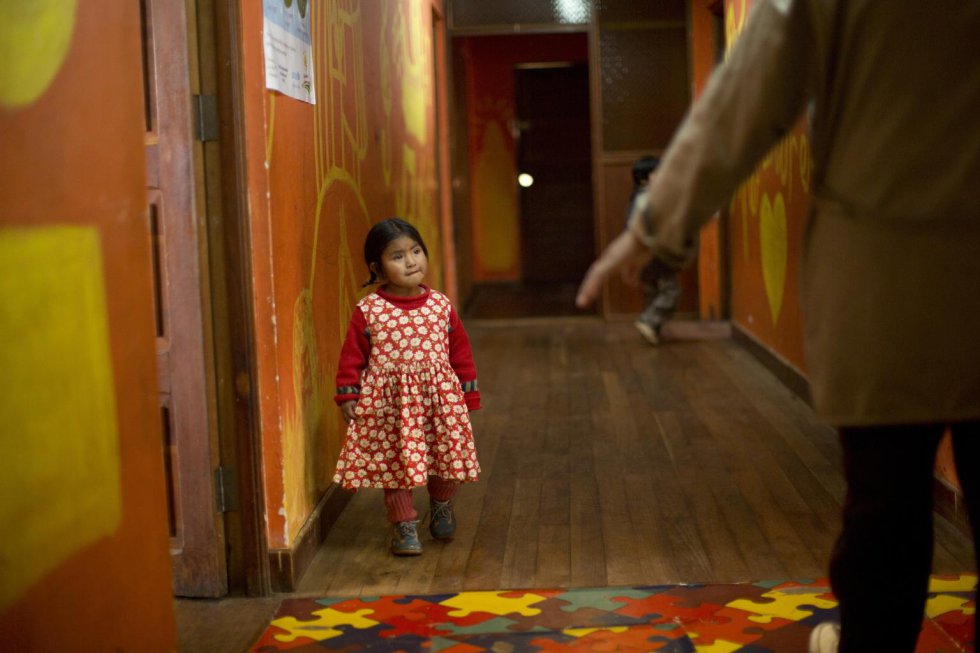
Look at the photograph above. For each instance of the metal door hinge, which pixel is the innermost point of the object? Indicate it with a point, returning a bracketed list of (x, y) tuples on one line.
[(205, 108), (226, 489)]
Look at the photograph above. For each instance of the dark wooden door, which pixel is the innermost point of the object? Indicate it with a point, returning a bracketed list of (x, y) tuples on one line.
[(557, 227), (177, 240)]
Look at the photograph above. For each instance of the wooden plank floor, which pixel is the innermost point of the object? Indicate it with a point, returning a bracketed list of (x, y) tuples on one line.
[(610, 462), (497, 301), (607, 462)]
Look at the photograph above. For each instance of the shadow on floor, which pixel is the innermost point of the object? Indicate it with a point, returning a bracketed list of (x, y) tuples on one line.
[(228, 625)]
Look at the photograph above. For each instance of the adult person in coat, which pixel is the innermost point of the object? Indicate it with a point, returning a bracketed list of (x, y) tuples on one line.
[(891, 260)]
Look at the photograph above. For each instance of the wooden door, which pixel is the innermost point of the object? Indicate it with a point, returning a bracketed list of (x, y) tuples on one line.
[(557, 231), (177, 240)]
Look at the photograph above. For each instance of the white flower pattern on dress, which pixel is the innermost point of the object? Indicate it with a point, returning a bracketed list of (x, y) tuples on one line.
[(411, 419)]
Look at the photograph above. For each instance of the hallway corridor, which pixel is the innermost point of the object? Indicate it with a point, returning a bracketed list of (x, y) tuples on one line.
[(606, 463)]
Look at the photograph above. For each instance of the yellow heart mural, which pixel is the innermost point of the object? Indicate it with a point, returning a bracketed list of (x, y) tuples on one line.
[(774, 245)]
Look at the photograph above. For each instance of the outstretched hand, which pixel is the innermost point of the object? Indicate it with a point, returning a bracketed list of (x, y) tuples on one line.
[(627, 254)]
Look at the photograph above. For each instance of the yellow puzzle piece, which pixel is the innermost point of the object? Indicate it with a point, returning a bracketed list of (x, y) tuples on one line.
[(325, 626), (939, 605), (964, 583), (785, 605), (584, 632), (717, 646), (467, 603)]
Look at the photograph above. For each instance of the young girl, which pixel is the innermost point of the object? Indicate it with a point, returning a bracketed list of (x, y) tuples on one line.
[(406, 383)]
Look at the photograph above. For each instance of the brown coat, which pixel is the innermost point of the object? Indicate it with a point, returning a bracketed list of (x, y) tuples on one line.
[(891, 268)]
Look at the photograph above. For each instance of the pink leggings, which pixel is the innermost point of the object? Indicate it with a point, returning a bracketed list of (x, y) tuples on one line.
[(399, 502)]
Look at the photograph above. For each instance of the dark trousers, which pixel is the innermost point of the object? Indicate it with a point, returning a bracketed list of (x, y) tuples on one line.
[(881, 563)]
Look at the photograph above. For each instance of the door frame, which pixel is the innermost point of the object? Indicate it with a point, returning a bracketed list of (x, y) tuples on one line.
[(459, 151), (177, 241), (221, 60)]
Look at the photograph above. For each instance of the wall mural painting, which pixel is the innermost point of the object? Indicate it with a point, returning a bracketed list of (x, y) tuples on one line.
[(777, 189), (496, 202), (373, 155), (493, 164), (272, 129), (776, 193), (772, 237), (406, 61), (340, 146), (34, 41)]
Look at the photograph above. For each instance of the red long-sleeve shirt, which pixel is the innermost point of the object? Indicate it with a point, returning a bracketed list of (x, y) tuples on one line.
[(356, 350)]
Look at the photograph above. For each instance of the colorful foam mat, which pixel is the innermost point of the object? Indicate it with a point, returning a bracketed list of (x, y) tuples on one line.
[(748, 617)]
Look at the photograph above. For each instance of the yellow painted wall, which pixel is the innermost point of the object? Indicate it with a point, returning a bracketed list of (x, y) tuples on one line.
[(319, 176), (82, 506)]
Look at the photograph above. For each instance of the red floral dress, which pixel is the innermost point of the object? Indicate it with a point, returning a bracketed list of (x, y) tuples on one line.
[(412, 415)]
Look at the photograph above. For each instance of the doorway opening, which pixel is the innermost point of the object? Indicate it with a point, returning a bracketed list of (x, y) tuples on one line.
[(528, 138)]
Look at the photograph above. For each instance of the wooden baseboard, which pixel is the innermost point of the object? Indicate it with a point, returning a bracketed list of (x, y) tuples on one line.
[(791, 377), (948, 500), (286, 566)]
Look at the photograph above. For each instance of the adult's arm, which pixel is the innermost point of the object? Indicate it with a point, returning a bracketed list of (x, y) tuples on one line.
[(750, 102)]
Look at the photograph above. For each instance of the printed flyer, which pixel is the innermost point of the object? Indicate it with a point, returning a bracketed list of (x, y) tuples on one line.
[(288, 48)]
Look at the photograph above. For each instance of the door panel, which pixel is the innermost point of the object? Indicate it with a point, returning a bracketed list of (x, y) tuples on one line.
[(177, 244), (557, 231)]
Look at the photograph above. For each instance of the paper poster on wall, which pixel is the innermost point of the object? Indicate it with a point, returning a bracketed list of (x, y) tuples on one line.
[(288, 48)]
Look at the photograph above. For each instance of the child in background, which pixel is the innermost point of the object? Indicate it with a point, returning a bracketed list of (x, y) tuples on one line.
[(405, 384), (660, 284)]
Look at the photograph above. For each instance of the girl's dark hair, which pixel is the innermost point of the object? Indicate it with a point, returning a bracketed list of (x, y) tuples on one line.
[(378, 238)]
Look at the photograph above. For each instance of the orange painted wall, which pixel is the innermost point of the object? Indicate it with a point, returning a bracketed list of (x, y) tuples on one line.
[(73, 213), (710, 273), (490, 62), (319, 176), (767, 218)]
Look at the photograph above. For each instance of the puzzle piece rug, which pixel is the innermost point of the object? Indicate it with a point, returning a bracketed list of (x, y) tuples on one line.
[(749, 617)]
